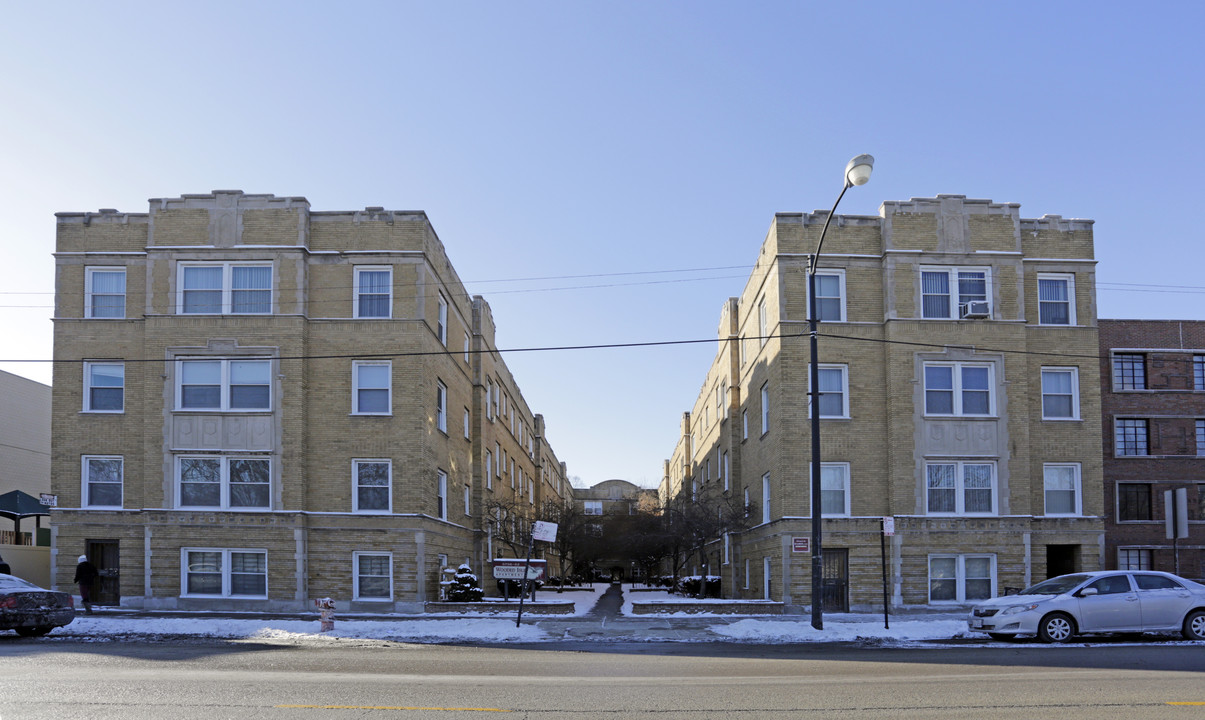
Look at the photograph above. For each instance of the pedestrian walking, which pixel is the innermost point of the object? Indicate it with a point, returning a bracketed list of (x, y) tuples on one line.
[(85, 575)]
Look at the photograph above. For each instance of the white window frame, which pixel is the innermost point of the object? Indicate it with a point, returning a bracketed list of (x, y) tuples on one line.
[(830, 367), (765, 498), (765, 408), (958, 390), (357, 292), (90, 385), (840, 275), (489, 469), (1074, 373), (441, 407), (744, 424), (441, 328), (356, 576), (845, 491), (225, 384), (954, 296), (724, 469), (223, 482), (227, 554), (468, 501), (355, 486), (763, 322), (441, 490), (960, 489), (467, 348), (467, 424), (90, 294), (592, 507), (1069, 279), (227, 288), (1077, 489), (960, 577), (357, 386), (86, 480)]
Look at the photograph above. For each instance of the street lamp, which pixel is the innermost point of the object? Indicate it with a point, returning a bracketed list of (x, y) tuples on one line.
[(857, 172)]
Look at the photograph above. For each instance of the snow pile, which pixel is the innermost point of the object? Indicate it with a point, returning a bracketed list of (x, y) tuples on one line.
[(791, 631)]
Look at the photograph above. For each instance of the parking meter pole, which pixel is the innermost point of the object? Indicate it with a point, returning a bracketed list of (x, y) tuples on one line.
[(531, 541)]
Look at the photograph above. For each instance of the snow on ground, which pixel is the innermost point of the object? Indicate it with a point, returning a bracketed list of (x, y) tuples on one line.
[(790, 631)]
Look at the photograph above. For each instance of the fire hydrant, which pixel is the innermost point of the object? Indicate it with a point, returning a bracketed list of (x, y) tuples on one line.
[(326, 613)]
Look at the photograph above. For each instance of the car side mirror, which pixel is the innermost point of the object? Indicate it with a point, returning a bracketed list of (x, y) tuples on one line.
[(1087, 592)]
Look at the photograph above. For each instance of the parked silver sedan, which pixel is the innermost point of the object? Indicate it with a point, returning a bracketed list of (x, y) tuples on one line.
[(1096, 602)]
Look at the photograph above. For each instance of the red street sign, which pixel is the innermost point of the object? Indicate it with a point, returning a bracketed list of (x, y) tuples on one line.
[(801, 545)]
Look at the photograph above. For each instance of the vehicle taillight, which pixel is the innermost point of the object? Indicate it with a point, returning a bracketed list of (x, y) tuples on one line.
[(8, 601)]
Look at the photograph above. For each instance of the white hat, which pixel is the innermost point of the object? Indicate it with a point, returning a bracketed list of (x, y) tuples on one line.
[(83, 558)]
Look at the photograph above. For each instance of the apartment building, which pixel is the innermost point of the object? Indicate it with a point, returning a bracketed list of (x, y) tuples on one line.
[(256, 405), (1153, 400), (959, 397)]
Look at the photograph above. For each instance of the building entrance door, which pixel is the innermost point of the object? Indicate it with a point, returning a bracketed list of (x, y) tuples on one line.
[(1061, 560), (104, 555), (836, 579)]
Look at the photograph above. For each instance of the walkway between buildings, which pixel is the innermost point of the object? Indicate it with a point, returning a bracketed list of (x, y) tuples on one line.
[(608, 605)]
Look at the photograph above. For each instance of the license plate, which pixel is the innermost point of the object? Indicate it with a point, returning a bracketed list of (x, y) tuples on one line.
[(977, 623)]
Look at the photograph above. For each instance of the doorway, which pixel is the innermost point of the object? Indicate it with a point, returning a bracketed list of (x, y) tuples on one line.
[(835, 587), (1062, 560), (104, 555)]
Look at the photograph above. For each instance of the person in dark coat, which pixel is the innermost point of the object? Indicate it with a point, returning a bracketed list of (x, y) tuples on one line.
[(85, 575), (4, 568)]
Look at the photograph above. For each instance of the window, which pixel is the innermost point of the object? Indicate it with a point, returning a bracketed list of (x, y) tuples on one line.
[(373, 486), (744, 425), (225, 482), (1056, 295), (727, 549), (961, 578), (830, 295), (225, 573), (441, 495), (1133, 559), (763, 322), (468, 501), (834, 391), (467, 347), (501, 458), (593, 507), (489, 470), (834, 489), (958, 389), (103, 481), (1198, 372), (374, 576), (105, 391), (374, 292), (765, 498), (1062, 483), (441, 406), (1130, 436), (1060, 393), (371, 388), (225, 289), (227, 385), (1156, 582), (724, 470), (1129, 371), (961, 488), (105, 292), (467, 434), (1133, 502), (765, 409), (944, 291), (441, 328), (489, 399), (1200, 437)]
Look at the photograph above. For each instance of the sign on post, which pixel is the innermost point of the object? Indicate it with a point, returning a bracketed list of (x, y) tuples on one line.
[(889, 526), (1175, 506), (543, 531), (49, 500), (512, 569), (801, 545)]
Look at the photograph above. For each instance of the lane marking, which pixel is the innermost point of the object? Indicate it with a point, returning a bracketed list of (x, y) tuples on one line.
[(1186, 703), (389, 707)]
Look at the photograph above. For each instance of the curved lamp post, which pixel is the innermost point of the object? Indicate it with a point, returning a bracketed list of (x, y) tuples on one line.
[(857, 172)]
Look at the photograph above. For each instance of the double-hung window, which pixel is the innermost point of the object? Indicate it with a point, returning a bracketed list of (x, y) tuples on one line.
[(1201, 442), (1130, 436), (441, 493), (224, 482), (1133, 502), (1062, 489), (441, 328), (226, 385), (374, 576), (592, 507), (374, 292), (102, 481), (947, 292), (1198, 372), (958, 389), (961, 578), (765, 498), (763, 321), (834, 391), (371, 391), (1060, 393), (1056, 299), (224, 289), (441, 406), (373, 486), (830, 295), (1129, 371), (765, 408), (105, 391), (960, 488), (105, 292), (214, 572), (1133, 559), (834, 489)]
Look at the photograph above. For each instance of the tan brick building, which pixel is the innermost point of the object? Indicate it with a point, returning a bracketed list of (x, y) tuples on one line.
[(256, 405), (960, 396)]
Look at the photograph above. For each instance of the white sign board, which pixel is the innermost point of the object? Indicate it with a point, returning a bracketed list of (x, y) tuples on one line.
[(889, 526), (515, 572), (544, 531), (49, 500)]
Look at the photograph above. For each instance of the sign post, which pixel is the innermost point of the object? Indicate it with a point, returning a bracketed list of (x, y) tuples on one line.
[(1175, 513), (888, 529), (545, 532)]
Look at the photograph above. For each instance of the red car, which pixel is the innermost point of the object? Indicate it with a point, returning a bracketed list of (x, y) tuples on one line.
[(31, 610)]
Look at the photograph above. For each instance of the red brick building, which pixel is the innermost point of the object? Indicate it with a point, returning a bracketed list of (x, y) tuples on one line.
[(1153, 406)]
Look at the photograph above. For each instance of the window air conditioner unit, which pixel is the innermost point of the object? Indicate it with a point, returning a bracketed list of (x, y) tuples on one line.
[(975, 309)]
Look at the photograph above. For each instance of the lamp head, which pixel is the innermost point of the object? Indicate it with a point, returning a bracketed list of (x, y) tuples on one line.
[(857, 172)]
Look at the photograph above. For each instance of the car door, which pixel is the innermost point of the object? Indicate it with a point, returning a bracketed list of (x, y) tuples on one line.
[(1114, 607), (1163, 601)]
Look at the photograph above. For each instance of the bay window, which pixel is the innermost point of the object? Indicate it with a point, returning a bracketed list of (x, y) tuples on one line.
[(945, 291), (226, 385), (224, 289), (223, 482), (961, 578), (958, 389), (960, 488)]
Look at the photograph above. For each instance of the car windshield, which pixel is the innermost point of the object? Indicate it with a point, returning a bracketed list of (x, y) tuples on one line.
[(1055, 586), (9, 583)]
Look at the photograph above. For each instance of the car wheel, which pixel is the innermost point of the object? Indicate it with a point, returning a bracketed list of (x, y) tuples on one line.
[(1056, 628), (1006, 637), (34, 631), (1194, 625)]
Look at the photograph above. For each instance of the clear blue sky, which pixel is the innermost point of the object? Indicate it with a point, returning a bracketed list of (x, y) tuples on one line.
[(614, 139)]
